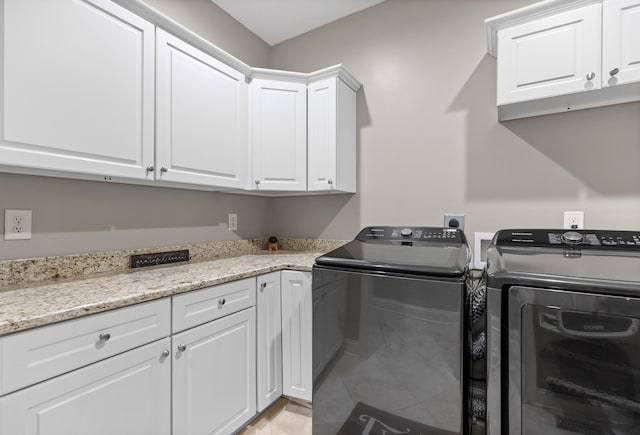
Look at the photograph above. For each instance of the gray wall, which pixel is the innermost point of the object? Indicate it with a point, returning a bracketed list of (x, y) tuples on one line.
[(429, 141), (74, 216)]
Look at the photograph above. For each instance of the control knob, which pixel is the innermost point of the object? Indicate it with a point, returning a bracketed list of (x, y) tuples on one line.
[(572, 237), (406, 232)]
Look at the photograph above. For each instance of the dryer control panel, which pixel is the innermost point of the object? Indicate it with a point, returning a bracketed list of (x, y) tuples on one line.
[(578, 238)]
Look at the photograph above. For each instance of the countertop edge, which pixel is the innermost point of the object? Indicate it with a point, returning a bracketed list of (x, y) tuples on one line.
[(145, 293)]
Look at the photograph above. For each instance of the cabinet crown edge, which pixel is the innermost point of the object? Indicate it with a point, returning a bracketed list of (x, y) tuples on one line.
[(528, 13), (306, 78), (158, 19)]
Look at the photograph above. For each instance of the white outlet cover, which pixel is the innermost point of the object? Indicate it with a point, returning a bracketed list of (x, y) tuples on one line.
[(233, 222), (573, 217), (480, 243), (17, 224)]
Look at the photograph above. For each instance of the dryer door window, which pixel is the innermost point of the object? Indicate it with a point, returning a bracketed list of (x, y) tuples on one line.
[(579, 362)]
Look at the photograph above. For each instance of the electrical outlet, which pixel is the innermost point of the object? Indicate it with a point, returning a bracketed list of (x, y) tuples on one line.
[(453, 220), (574, 220), (17, 224), (233, 222)]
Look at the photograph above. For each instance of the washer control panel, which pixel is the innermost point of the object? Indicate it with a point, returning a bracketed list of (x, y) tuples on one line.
[(415, 234), (577, 238)]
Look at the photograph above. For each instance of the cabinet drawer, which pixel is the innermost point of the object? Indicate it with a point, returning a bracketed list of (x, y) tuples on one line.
[(32, 356), (202, 306)]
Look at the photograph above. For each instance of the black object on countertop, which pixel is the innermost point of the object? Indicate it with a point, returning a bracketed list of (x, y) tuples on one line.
[(157, 258)]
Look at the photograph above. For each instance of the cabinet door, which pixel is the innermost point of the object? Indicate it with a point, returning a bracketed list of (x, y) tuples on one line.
[(332, 136), (550, 56), (214, 375), (78, 87), (620, 42), (269, 339), (126, 394), (202, 116), (279, 135), (297, 337)]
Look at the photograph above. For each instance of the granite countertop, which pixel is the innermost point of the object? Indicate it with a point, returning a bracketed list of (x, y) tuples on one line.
[(52, 301)]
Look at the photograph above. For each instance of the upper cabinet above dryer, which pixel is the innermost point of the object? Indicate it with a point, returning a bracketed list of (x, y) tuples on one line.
[(620, 42), (561, 55)]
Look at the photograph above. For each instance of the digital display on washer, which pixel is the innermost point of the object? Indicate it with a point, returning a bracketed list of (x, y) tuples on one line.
[(576, 238)]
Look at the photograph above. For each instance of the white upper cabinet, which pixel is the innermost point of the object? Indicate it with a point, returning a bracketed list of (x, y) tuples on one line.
[(78, 88), (202, 116), (113, 90), (550, 56), (279, 135), (560, 55), (332, 136), (620, 42)]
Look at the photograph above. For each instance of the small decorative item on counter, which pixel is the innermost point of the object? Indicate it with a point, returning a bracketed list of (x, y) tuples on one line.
[(273, 243)]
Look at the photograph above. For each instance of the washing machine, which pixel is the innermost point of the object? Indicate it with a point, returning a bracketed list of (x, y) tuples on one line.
[(563, 332), (389, 333)]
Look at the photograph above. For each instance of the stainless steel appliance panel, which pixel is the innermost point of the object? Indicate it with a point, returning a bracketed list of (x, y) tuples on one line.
[(574, 360), (400, 352)]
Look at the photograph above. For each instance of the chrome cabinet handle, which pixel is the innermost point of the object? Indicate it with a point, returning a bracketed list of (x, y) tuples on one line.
[(182, 347), (613, 72), (264, 285), (257, 182), (104, 337), (166, 353), (163, 169), (222, 301), (591, 76), (150, 168), (330, 181)]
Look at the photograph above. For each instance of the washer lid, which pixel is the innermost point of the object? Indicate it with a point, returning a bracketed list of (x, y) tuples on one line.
[(416, 250), (598, 259)]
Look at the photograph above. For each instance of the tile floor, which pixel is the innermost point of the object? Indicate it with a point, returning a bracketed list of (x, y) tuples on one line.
[(284, 417)]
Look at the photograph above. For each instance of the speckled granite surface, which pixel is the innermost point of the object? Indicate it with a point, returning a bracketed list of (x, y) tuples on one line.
[(75, 265), (30, 270), (47, 302)]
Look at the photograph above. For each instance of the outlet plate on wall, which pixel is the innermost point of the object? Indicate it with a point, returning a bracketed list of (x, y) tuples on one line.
[(233, 222), (448, 217), (17, 224), (574, 220)]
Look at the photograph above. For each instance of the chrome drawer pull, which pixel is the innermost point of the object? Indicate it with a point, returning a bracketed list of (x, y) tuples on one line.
[(166, 353), (182, 347), (222, 301), (104, 337)]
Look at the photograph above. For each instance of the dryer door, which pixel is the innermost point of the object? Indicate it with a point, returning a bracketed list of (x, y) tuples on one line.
[(573, 363)]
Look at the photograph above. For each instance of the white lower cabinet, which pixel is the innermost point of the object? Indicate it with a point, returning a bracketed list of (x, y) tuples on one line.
[(203, 379), (214, 375), (125, 394), (269, 339), (297, 334)]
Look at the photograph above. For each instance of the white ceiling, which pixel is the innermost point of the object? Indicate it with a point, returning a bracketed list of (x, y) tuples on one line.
[(278, 20)]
